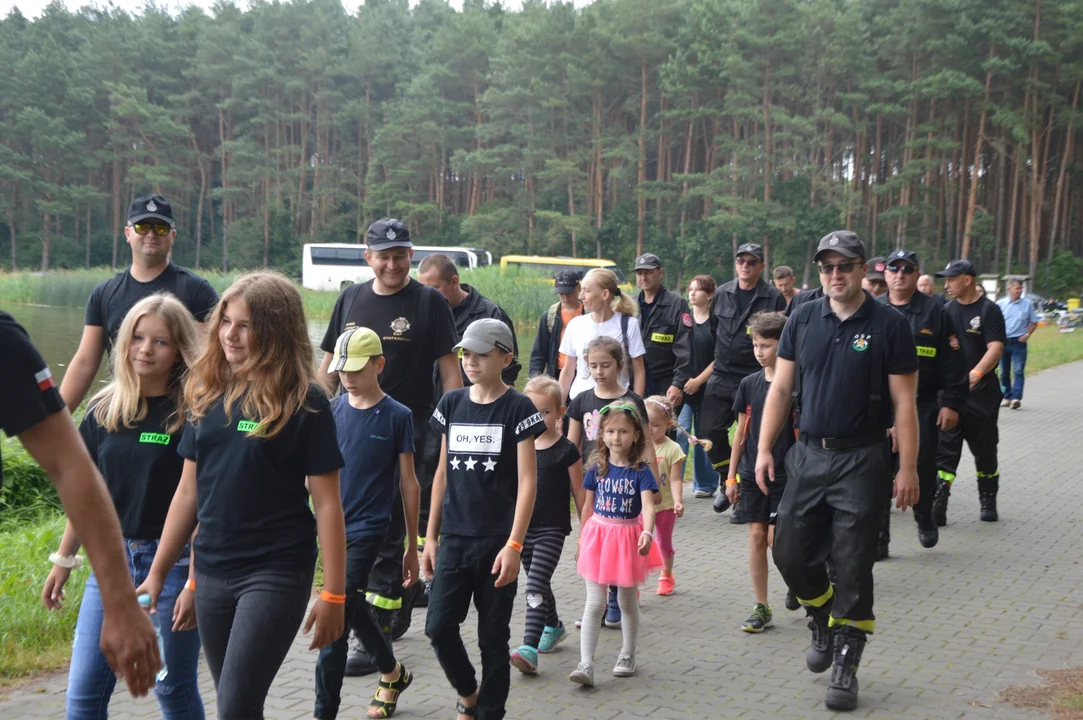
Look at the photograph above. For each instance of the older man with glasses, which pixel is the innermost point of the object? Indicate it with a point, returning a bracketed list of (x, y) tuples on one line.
[(149, 232)]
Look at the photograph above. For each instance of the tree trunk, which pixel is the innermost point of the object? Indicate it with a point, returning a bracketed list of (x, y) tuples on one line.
[(1069, 137), (972, 203), (1016, 174), (641, 172), (116, 209)]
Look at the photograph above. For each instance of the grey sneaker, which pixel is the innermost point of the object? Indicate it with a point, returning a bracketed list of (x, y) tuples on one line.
[(703, 494), (583, 675), (626, 665)]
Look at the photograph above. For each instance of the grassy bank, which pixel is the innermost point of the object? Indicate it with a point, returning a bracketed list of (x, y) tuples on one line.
[(1049, 348), (523, 297)]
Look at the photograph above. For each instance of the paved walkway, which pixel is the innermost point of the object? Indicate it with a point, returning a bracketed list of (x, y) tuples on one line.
[(957, 624)]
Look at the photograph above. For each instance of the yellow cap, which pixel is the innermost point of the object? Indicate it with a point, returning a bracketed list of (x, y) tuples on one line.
[(354, 348)]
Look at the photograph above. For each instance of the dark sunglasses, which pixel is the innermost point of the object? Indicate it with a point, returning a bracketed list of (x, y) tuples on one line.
[(747, 261), (904, 269), (845, 268), (143, 228), (620, 406)]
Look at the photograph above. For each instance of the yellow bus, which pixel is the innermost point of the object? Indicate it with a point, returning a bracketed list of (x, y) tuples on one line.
[(550, 266)]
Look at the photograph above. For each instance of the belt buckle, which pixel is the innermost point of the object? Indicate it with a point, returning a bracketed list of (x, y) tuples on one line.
[(824, 443)]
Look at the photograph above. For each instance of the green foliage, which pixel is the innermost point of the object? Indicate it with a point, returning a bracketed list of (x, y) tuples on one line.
[(1063, 277)]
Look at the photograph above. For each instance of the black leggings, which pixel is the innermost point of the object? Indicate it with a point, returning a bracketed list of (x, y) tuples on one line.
[(247, 625), (541, 555)]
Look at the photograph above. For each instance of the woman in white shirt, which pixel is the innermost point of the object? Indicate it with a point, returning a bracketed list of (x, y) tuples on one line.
[(606, 311)]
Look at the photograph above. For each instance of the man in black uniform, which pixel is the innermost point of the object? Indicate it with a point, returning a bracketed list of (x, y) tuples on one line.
[(850, 364), (438, 271), (733, 305), (150, 232), (32, 409), (417, 329), (545, 357), (942, 387), (875, 283), (665, 323), (981, 332)]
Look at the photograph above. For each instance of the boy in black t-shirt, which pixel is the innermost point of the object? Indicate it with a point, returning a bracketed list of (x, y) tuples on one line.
[(482, 500), (760, 501), (376, 437)]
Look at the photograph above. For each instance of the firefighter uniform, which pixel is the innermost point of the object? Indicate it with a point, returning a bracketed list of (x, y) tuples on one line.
[(667, 337), (979, 323), (942, 382)]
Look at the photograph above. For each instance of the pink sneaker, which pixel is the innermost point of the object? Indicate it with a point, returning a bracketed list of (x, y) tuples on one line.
[(666, 584)]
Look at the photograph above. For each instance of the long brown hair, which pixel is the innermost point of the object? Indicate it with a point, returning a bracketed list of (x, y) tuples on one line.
[(600, 455), (120, 404), (276, 377)]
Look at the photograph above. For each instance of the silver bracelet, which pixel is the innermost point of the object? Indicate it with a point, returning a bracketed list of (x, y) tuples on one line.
[(69, 562)]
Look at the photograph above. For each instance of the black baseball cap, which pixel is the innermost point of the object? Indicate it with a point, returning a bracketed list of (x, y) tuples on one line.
[(566, 281), (903, 256), (958, 267), (150, 207), (752, 249), (843, 242), (386, 234), (877, 266), (648, 261)]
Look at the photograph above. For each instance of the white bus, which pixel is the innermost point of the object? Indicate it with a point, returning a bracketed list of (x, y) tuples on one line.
[(333, 266)]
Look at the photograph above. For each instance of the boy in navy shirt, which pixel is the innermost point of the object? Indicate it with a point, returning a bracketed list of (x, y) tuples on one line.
[(376, 437)]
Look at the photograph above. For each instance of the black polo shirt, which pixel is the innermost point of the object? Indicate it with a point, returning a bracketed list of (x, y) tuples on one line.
[(837, 363)]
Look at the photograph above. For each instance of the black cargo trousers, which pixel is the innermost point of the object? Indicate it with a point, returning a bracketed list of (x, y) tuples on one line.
[(928, 445), (831, 510), (978, 427)]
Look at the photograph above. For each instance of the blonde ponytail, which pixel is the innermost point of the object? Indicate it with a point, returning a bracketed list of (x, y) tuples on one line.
[(607, 280)]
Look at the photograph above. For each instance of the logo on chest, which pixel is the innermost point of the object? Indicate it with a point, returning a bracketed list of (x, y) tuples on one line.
[(400, 325), (975, 324), (861, 342)]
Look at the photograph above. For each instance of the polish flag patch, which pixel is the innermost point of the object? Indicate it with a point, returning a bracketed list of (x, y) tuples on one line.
[(45, 379)]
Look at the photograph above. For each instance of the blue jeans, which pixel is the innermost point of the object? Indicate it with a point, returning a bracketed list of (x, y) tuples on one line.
[(1015, 353), (91, 682), (704, 476)]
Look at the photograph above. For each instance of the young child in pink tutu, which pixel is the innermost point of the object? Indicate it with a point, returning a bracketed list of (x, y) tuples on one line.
[(616, 542)]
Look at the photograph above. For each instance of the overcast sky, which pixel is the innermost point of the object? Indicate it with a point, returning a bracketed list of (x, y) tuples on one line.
[(33, 8)]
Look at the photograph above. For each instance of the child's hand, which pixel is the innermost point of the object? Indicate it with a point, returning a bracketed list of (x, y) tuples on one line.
[(678, 508), (329, 620), (410, 568), (645, 540), (184, 611), (731, 492), (428, 557), (506, 567)]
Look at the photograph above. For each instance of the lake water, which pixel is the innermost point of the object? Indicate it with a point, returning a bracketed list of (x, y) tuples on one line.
[(56, 333)]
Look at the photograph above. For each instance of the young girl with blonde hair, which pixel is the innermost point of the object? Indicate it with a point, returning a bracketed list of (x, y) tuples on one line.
[(261, 437), (609, 312), (132, 430)]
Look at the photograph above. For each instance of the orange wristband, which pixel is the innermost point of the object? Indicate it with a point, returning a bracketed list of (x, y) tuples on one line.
[(332, 598), (190, 585), (516, 546), (977, 373), (731, 481)]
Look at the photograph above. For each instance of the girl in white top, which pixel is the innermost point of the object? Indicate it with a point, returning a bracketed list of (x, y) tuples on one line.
[(603, 306)]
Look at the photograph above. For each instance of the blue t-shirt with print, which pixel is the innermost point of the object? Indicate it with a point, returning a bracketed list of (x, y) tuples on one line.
[(617, 493), (371, 441)]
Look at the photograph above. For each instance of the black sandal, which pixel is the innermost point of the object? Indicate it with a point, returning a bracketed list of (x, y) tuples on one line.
[(397, 686), (471, 711)]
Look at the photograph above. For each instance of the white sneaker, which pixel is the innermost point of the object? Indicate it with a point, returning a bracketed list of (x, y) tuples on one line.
[(583, 675), (1005, 402), (626, 665), (1015, 404), (702, 494)]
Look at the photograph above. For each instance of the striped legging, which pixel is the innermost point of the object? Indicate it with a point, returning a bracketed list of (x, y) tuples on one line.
[(541, 554)]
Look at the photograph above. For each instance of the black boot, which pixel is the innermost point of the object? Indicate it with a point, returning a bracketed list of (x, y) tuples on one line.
[(791, 601), (841, 694), (818, 657), (940, 503), (928, 533), (987, 495), (721, 503), (400, 621)]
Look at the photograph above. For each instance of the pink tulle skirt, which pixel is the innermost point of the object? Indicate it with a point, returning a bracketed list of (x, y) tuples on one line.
[(609, 552)]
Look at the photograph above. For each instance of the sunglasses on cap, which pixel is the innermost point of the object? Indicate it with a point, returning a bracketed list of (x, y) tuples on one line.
[(905, 268), (145, 228), (620, 406), (844, 267)]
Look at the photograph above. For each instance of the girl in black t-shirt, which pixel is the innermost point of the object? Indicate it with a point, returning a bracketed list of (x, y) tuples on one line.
[(132, 430), (259, 428), (560, 474)]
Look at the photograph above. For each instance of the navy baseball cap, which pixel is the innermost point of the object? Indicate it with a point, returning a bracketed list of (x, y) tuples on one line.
[(844, 242), (150, 207), (752, 249), (958, 267), (566, 281), (386, 234), (908, 256)]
